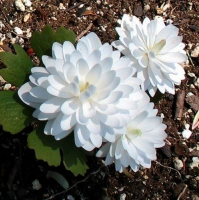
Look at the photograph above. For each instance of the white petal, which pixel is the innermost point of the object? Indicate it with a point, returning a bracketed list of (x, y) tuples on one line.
[(74, 89), (39, 69), (39, 92), (23, 93), (82, 135), (63, 134), (68, 121), (112, 98), (96, 140), (56, 128), (82, 47), (68, 48), (93, 42), (47, 129), (52, 105), (106, 79), (106, 50), (103, 150), (74, 57), (171, 43), (49, 64), (94, 58), (94, 75), (172, 57), (121, 47), (82, 69), (119, 149), (81, 119), (70, 106), (57, 50)]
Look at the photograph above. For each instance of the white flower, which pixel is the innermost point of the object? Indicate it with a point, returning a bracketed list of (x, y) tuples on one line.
[(89, 90), (136, 144), (155, 51)]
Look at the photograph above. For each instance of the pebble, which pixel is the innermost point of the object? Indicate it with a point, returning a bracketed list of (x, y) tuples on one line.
[(36, 185), (196, 83), (7, 86), (18, 31), (123, 196), (27, 3), (70, 197), (178, 164), (195, 52), (62, 7), (19, 5), (147, 7), (26, 17), (2, 25), (195, 162), (186, 133)]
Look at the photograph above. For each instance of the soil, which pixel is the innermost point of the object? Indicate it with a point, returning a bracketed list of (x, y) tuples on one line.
[(164, 180)]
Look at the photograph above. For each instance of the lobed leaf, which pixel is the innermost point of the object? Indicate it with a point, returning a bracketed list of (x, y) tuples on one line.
[(45, 146), (14, 115), (48, 149), (17, 66), (74, 158), (42, 42)]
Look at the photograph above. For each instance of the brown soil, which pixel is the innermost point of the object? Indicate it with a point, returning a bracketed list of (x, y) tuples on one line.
[(18, 166)]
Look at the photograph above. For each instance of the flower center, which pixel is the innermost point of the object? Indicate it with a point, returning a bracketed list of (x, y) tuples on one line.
[(152, 52), (83, 86), (133, 133)]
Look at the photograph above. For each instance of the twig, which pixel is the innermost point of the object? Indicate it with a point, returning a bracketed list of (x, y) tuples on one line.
[(169, 168), (13, 173), (179, 104), (189, 57), (85, 31), (75, 184), (76, 5), (183, 191)]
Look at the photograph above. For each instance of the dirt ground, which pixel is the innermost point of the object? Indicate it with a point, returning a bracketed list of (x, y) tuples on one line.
[(165, 179)]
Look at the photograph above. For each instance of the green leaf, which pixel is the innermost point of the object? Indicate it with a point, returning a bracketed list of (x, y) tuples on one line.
[(45, 146), (18, 66), (42, 42), (74, 158), (14, 115), (48, 149)]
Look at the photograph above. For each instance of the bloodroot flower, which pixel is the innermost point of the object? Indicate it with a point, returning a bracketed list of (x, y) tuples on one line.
[(135, 145), (89, 90), (155, 51)]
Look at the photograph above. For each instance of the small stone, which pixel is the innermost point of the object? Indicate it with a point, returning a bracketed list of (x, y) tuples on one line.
[(146, 7), (36, 185), (70, 197), (189, 46), (7, 86), (18, 31), (195, 162), (19, 5), (62, 7), (178, 164), (195, 197), (98, 2), (27, 3), (195, 52), (26, 17), (196, 83), (186, 133), (54, 18), (2, 25), (123, 196)]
